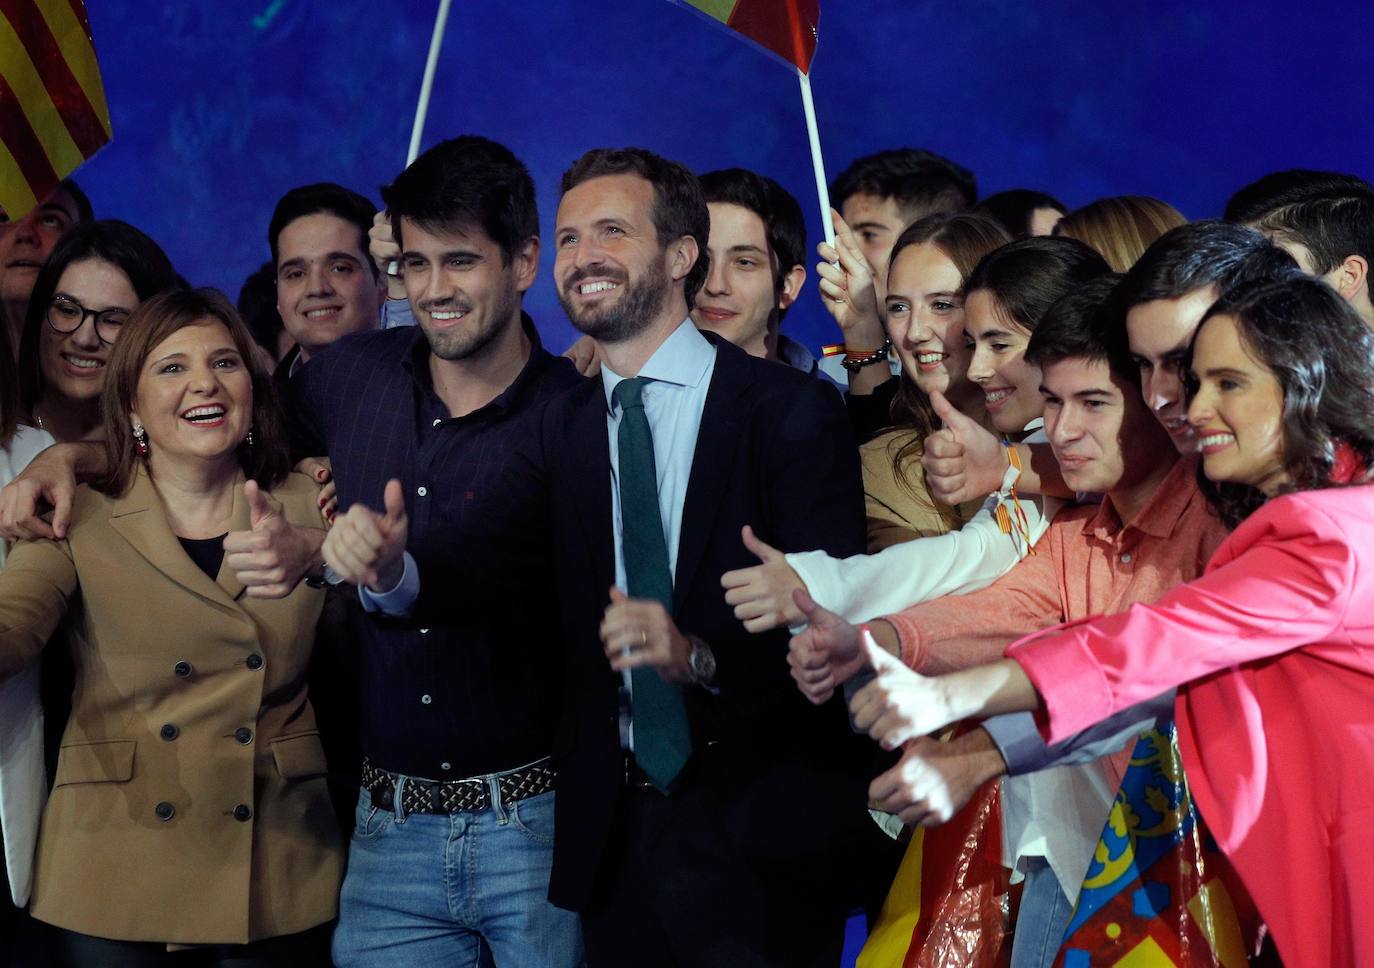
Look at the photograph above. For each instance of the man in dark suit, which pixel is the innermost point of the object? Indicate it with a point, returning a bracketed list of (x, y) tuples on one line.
[(703, 806), (733, 441)]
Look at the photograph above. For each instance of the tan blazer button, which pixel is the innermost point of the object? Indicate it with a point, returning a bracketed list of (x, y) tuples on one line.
[(253, 662), (243, 813), (244, 735), (169, 732), (183, 669), (164, 810)]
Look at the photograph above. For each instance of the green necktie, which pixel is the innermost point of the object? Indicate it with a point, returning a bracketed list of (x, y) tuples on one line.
[(662, 739)]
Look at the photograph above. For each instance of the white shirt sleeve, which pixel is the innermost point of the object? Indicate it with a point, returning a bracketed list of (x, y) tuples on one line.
[(865, 586)]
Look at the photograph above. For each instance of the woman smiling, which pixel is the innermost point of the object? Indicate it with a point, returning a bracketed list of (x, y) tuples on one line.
[(97, 275), (925, 319), (1271, 650), (191, 764)]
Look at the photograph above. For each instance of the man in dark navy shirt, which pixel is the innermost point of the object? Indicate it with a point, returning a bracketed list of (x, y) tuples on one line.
[(453, 843)]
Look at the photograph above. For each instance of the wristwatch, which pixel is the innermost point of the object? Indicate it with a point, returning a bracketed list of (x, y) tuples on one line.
[(702, 662)]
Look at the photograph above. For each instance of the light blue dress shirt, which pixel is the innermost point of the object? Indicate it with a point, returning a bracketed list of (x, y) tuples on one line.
[(681, 371)]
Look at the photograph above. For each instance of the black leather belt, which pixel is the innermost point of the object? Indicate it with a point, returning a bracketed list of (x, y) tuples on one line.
[(449, 796)]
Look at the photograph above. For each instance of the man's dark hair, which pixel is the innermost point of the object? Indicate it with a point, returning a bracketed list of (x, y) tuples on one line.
[(1078, 327), (322, 198), (1199, 254), (467, 182), (84, 212), (1292, 187), (679, 205), (783, 222), (1330, 214), (920, 181), (1014, 208), (1026, 278), (1331, 229)]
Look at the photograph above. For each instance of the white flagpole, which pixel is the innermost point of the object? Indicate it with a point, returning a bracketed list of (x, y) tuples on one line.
[(817, 163), (436, 41), (417, 130)]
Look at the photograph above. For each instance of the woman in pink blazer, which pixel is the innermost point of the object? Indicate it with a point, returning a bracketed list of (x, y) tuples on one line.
[(1272, 650)]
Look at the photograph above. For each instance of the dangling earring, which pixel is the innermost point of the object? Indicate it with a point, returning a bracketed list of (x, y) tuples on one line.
[(141, 440), (249, 439)]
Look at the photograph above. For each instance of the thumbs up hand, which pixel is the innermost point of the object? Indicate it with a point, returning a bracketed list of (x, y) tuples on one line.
[(899, 704), (762, 594), (826, 655), (272, 556), (963, 461), (366, 547), (261, 507)]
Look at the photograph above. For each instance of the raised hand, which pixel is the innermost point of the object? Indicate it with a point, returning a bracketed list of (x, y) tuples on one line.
[(762, 595), (273, 555), (366, 547), (847, 287), (381, 245), (963, 461), (826, 655)]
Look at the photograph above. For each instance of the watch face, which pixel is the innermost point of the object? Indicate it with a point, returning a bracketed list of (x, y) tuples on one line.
[(702, 664)]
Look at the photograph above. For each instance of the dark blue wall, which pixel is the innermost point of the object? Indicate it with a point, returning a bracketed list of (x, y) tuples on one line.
[(221, 105)]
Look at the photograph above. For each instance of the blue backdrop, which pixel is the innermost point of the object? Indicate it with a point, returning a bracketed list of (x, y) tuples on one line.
[(219, 107)]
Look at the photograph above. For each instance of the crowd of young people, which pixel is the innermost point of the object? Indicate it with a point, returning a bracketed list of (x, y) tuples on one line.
[(687, 646)]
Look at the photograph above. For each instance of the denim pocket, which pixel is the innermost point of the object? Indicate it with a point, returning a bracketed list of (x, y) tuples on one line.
[(534, 818), (369, 821)]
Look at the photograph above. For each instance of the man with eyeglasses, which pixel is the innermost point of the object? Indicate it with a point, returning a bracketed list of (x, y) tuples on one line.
[(24, 246)]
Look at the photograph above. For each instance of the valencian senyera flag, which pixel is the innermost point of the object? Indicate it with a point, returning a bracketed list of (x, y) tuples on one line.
[(784, 28), (1159, 894), (53, 114)]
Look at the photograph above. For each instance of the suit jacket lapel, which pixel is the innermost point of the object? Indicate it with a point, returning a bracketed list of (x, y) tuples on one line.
[(591, 459), (712, 462), (138, 517), (239, 520)]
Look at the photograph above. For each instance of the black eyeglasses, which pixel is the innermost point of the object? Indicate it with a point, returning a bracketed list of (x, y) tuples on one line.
[(66, 315)]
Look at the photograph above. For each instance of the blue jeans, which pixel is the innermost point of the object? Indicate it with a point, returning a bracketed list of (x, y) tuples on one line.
[(1044, 916), (454, 889)]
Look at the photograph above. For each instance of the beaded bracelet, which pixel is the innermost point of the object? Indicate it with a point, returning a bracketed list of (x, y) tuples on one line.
[(855, 360)]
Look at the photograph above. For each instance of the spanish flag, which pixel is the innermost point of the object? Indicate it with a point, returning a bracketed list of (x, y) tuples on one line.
[(784, 28), (952, 904), (53, 114)]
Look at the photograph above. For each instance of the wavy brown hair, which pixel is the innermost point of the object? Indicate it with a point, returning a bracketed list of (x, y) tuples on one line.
[(266, 460), (1322, 354), (1120, 228), (963, 239)]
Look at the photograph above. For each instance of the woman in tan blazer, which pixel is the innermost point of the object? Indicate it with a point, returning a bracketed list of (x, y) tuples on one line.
[(190, 805)]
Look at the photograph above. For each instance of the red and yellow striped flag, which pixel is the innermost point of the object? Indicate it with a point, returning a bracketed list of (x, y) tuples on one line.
[(53, 114), (786, 28)]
